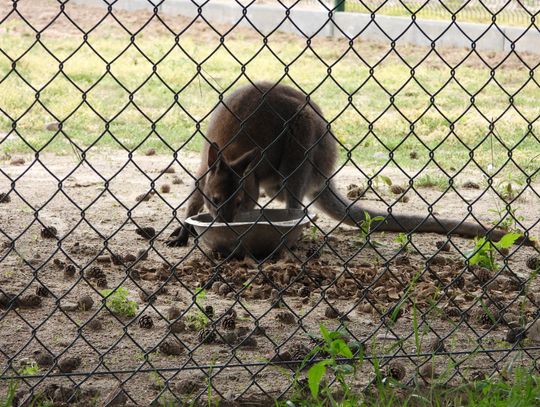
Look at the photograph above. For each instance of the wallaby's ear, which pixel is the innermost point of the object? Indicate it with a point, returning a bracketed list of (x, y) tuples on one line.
[(242, 164), (213, 151)]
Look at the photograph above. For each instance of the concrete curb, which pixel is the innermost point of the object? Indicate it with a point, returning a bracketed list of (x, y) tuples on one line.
[(319, 22)]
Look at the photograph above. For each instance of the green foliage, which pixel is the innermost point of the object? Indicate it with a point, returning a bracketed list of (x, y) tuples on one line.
[(30, 369), (365, 227), (10, 396), (509, 220), (312, 234), (335, 347), (117, 301), (198, 318), (403, 242), (484, 250)]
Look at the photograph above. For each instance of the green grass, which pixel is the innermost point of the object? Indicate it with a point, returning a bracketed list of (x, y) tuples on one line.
[(473, 12), (370, 123)]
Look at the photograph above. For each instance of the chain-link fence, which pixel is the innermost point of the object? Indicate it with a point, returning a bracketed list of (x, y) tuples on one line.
[(391, 158)]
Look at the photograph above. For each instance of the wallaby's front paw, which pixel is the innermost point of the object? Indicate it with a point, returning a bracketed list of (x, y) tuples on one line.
[(178, 238)]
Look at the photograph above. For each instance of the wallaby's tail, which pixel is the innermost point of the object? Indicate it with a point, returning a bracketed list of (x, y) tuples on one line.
[(339, 208)]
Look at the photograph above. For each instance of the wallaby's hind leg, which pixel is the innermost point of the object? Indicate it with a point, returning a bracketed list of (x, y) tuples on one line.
[(181, 234)]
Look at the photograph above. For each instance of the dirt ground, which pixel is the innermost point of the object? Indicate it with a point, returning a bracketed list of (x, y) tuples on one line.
[(361, 284), (95, 210)]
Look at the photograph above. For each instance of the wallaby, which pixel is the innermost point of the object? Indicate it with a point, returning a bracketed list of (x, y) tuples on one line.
[(273, 137)]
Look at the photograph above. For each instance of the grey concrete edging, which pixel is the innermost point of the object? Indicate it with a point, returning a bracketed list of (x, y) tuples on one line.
[(318, 22)]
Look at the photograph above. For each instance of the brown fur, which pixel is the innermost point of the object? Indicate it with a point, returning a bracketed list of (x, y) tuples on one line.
[(270, 137)]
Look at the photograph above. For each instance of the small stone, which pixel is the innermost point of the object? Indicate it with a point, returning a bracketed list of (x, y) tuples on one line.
[(147, 296), (452, 312), (173, 313), (146, 322), (171, 347), (117, 259), (224, 289), (30, 301), (443, 246), (483, 275), (515, 335), (427, 372), (17, 161), (438, 260), (150, 152), (189, 386), (402, 261), (286, 317), (142, 254), (533, 262), (130, 258), (116, 397), (165, 188), (177, 327), (85, 303), (413, 155), (65, 394), (144, 197), (43, 359), (396, 371), (49, 232), (69, 363), (104, 259), (471, 185), (247, 342), (533, 333), (177, 180), (331, 313), (53, 126), (397, 190), (4, 198), (436, 346), (229, 338), (147, 232), (69, 271), (69, 306), (94, 325)]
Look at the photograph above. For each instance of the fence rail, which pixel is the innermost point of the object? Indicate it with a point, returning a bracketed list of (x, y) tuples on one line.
[(407, 257)]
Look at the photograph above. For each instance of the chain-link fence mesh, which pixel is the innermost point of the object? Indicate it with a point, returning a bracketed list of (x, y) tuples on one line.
[(103, 115)]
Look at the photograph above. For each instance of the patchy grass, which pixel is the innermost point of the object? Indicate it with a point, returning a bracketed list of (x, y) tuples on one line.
[(506, 13), (156, 93)]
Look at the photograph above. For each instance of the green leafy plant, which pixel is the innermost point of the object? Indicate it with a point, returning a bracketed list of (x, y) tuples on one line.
[(335, 347), (118, 302), (198, 318), (312, 234), (30, 369), (483, 253), (403, 242), (509, 220), (365, 227)]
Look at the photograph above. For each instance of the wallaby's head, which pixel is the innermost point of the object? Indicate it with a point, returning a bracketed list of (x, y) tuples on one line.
[(223, 189)]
